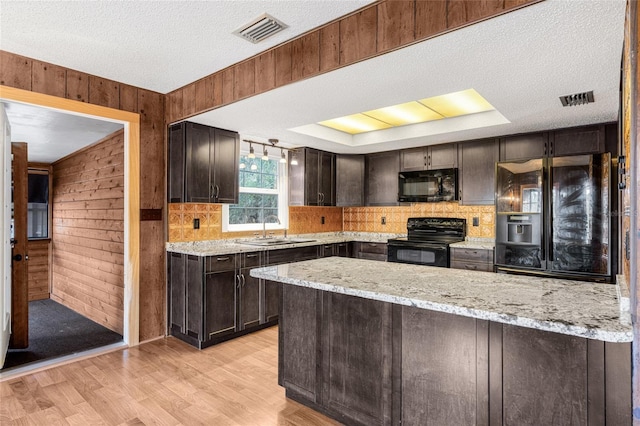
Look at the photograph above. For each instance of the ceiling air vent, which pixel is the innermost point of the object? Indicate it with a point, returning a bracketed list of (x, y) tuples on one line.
[(577, 99), (260, 28)]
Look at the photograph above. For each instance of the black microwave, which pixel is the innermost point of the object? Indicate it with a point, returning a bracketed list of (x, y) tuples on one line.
[(428, 186)]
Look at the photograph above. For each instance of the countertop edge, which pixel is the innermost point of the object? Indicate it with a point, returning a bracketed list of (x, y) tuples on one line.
[(270, 273)]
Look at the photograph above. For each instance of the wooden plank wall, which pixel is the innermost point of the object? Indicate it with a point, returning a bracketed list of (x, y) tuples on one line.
[(373, 30), (88, 232), (31, 74), (39, 271)]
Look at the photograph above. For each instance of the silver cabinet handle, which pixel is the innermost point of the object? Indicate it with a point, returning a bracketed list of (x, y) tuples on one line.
[(222, 259), (244, 281)]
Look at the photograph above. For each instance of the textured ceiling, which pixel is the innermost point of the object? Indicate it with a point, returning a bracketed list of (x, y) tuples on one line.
[(521, 62), (156, 45)]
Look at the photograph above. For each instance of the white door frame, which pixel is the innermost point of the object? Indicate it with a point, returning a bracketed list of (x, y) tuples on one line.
[(5, 237), (131, 122)]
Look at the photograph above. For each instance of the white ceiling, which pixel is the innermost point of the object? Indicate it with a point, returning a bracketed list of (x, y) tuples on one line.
[(521, 62)]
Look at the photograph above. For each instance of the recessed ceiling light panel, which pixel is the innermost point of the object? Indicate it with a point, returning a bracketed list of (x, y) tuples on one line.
[(262, 27), (458, 103), (355, 123)]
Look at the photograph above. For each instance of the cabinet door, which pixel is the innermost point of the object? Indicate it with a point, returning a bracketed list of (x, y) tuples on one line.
[(177, 290), (176, 160), (477, 178), (357, 366), (311, 177), (413, 159), (382, 178), (193, 303), (272, 291), (297, 177), (220, 306), (524, 147), (342, 249), (249, 292), (442, 156), (325, 250), (225, 169), (198, 159), (349, 180), (327, 179), (580, 140)]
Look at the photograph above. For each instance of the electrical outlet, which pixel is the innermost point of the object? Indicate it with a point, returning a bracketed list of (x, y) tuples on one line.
[(476, 221), (322, 220), (383, 220), (196, 223)]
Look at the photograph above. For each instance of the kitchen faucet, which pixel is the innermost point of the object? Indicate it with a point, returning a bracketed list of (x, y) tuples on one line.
[(264, 224)]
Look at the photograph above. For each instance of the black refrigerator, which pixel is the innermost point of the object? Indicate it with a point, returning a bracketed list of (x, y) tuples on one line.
[(553, 217)]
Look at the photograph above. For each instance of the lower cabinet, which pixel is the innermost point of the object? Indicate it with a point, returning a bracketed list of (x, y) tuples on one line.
[(366, 362), (472, 259), (370, 250)]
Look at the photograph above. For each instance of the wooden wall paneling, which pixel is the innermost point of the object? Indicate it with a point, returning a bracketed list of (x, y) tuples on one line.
[(456, 13), (265, 71), (430, 17), (477, 10), (228, 80), (174, 106), (358, 34), (244, 79), (305, 56), (104, 92), (204, 94), (283, 64), (508, 4), (77, 86), (152, 237), (128, 98), (39, 271), (330, 47), (49, 79), (89, 278), (188, 100), (15, 70), (395, 24), (217, 89)]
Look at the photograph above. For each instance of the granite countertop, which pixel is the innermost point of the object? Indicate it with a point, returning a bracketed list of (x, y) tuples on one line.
[(568, 307), (220, 247)]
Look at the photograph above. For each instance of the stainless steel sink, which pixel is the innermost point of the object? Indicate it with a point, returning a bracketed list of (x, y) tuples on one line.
[(274, 241)]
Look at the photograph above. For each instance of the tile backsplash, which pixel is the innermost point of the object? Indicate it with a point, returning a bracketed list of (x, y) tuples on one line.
[(304, 220)]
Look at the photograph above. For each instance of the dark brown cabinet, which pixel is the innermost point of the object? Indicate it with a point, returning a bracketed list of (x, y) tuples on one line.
[(524, 147), (220, 297), (477, 171), (471, 259), (312, 180), (249, 291), (381, 184), (349, 180), (203, 164), (578, 140), (429, 158), (370, 250)]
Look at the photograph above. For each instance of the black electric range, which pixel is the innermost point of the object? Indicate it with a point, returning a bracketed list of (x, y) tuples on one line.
[(427, 241)]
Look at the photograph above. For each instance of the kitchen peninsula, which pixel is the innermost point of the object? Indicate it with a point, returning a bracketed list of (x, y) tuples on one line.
[(378, 343)]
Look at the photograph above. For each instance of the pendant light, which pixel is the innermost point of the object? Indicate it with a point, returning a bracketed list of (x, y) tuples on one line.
[(283, 158), (252, 153), (265, 154)]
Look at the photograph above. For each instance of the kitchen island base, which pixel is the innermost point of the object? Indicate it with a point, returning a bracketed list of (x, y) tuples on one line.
[(369, 362)]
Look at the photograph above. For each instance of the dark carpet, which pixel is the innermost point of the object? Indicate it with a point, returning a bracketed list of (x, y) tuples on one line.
[(54, 331)]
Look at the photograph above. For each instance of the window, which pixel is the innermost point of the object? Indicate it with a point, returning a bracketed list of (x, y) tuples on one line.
[(38, 205), (263, 194)]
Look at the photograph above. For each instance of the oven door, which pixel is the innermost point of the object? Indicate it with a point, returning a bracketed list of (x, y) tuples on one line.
[(419, 254)]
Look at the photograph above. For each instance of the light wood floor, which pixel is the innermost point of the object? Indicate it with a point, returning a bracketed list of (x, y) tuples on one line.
[(163, 382)]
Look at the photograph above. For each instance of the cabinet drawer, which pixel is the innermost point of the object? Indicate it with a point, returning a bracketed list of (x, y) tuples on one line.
[(251, 260), (372, 256), (225, 262), (374, 248), (472, 255), (292, 255), (472, 266)]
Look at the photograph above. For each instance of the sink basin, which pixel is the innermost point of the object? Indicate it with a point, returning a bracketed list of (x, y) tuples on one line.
[(274, 241)]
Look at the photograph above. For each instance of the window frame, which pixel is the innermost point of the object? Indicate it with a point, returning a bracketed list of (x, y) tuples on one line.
[(283, 202)]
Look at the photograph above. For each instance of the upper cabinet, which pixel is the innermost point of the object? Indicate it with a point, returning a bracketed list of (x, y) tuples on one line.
[(349, 180), (477, 171), (312, 181), (429, 158), (381, 184), (203, 164), (573, 141)]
